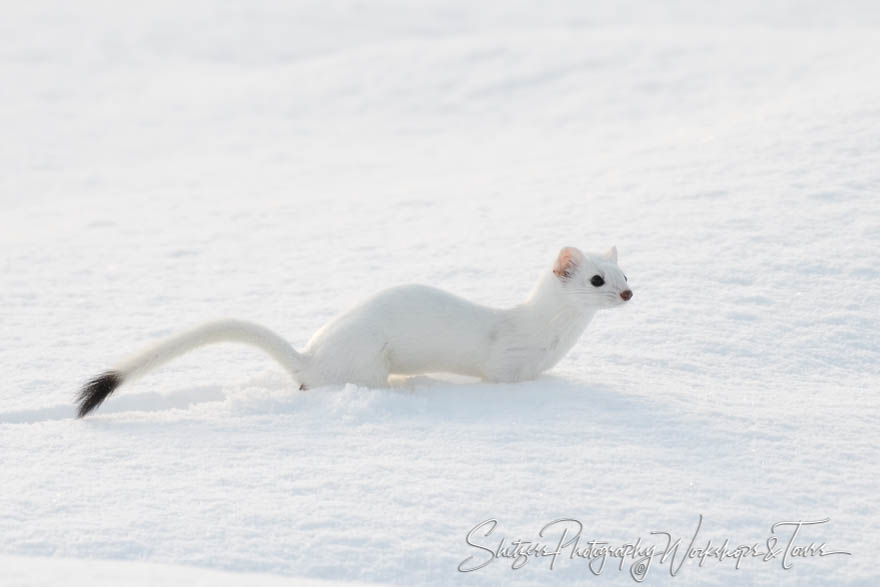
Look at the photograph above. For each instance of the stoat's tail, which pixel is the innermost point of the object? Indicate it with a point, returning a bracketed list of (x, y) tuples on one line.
[(96, 391)]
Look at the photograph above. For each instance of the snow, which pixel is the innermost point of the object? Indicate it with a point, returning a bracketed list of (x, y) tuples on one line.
[(169, 163), (39, 572)]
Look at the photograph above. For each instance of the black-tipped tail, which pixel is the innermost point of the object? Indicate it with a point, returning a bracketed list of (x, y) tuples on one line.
[(96, 391)]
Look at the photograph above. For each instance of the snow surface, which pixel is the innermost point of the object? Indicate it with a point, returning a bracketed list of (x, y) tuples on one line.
[(39, 572), (164, 163)]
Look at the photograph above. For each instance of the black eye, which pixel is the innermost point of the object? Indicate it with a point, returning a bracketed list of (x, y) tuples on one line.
[(597, 281), (624, 278)]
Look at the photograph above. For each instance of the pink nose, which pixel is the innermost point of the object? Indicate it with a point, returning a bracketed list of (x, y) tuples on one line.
[(626, 294)]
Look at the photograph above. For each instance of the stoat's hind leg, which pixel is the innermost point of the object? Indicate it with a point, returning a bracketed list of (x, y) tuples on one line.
[(374, 380), (368, 370)]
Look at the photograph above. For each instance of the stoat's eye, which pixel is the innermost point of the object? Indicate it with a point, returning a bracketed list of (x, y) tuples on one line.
[(624, 277), (597, 281)]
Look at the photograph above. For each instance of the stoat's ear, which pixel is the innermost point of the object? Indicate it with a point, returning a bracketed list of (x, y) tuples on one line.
[(567, 261), (612, 254)]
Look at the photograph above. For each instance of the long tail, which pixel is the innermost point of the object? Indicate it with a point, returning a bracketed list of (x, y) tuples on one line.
[(98, 389)]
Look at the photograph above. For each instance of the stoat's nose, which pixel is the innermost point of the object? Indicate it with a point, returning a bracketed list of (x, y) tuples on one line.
[(626, 294)]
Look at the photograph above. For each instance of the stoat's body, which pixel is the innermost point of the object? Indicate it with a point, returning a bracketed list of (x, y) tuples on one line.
[(416, 329)]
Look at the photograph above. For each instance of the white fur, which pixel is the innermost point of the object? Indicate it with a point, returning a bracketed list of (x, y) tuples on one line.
[(416, 329)]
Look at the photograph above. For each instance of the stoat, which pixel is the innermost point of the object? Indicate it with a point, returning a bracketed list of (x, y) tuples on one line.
[(415, 329)]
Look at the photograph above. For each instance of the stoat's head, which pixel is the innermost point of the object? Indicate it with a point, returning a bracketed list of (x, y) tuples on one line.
[(593, 280)]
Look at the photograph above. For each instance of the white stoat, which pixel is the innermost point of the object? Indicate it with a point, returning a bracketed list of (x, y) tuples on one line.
[(415, 329)]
